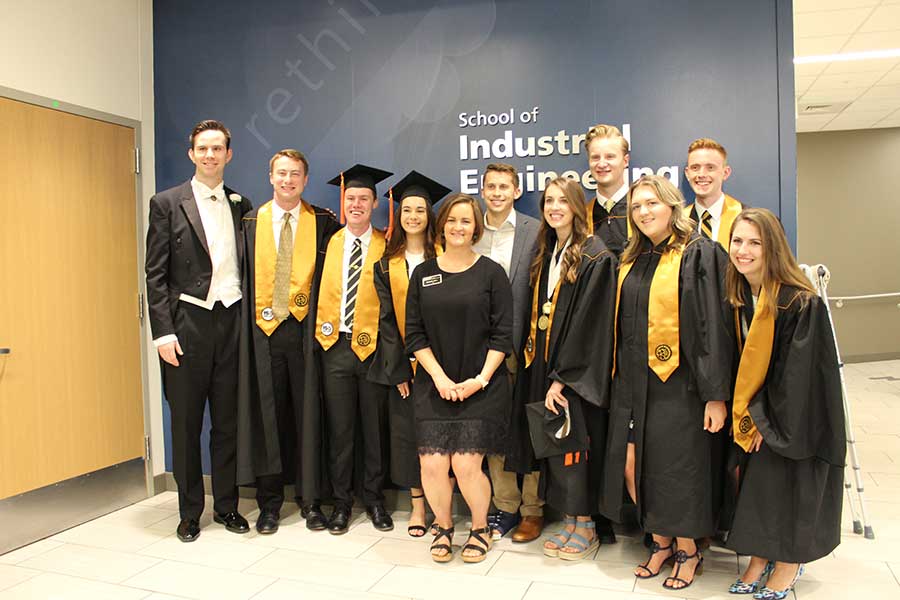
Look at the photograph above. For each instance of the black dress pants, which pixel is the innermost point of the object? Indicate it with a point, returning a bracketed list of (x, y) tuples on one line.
[(355, 409), (287, 364), (207, 370)]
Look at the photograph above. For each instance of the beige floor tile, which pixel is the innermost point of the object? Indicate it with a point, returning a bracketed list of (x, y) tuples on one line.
[(282, 589), (11, 575), (197, 581), (328, 571), (91, 563), (232, 556), (65, 587), (157, 596), (112, 536), (858, 548), (160, 499), (556, 591), (26, 552), (817, 590), (415, 553), (136, 516), (298, 537), (585, 573), (432, 584), (710, 585), (841, 570)]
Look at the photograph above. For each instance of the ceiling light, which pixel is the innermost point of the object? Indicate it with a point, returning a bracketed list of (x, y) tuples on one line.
[(845, 56)]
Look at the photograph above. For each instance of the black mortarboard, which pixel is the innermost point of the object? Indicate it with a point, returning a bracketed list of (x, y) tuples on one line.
[(543, 426), (416, 184), (359, 176)]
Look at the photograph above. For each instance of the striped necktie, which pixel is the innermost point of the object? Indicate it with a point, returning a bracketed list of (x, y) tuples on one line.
[(706, 225), (353, 282), (283, 264)]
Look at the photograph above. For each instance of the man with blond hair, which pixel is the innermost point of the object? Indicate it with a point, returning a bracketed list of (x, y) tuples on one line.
[(608, 155)]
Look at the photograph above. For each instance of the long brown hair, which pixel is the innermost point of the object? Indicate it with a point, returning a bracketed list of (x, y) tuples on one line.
[(779, 265), (571, 260), (397, 243), (682, 225)]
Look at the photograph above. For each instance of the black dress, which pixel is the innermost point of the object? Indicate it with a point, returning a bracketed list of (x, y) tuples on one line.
[(579, 356), (390, 367), (789, 505), (460, 316), (679, 467)]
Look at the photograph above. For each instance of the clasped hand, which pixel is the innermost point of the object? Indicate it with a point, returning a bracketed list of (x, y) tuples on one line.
[(456, 392)]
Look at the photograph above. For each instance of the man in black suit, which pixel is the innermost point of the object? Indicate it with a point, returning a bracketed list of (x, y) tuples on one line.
[(193, 272)]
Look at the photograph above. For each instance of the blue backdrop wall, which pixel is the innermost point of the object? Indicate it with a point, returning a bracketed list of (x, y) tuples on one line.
[(444, 87)]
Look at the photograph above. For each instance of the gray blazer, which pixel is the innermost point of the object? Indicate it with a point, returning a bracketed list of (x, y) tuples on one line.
[(524, 245)]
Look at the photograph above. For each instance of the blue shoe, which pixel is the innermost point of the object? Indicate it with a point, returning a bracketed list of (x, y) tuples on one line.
[(768, 593), (502, 523), (739, 587)]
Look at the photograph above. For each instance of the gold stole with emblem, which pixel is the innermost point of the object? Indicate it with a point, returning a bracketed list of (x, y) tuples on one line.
[(399, 278), (365, 316), (662, 312), (590, 215), (731, 208), (544, 322), (755, 356), (302, 265)]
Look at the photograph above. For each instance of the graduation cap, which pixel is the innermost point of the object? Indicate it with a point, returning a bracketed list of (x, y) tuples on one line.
[(414, 184), (358, 176), (549, 435)]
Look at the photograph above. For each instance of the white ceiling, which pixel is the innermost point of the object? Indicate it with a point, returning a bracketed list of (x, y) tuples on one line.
[(859, 94)]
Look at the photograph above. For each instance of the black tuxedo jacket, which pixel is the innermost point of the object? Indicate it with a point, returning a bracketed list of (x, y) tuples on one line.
[(178, 258)]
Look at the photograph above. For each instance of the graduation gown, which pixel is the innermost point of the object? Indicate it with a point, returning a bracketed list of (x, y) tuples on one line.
[(259, 446), (790, 499), (580, 356), (611, 227), (390, 367), (679, 467)]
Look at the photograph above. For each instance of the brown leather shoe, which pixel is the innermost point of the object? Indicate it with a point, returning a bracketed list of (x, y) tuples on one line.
[(529, 529)]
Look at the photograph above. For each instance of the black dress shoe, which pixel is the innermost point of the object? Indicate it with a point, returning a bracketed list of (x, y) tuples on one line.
[(605, 532), (233, 522), (315, 518), (188, 530), (267, 522), (381, 519), (339, 522)]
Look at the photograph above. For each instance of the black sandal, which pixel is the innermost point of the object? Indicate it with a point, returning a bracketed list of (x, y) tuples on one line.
[(442, 533), (682, 557), (654, 548), (476, 533), (416, 531)]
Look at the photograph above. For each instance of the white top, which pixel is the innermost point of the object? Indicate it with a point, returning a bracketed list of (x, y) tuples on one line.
[(277, 222), (365, 239), (555, 267), (715, 211), (414, 260), (497, 242)]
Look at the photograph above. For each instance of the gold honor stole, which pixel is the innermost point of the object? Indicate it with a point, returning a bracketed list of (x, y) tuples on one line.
[(302, 265), (662, 313), (532, 332), (399, 287), (755, 357), (731, 208), (590, 215), (365, 316)]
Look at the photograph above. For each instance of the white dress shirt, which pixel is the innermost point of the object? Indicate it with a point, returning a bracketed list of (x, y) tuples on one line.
[(218, 227), (715, 212), (365, 239), (497, 242), (277, 222), (414, 260), (620, 194)]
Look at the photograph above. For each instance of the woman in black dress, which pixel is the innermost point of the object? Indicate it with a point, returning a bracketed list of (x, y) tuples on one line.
[(788, 415), (672, 377), (459, 326), (411, 243), (568, 358)]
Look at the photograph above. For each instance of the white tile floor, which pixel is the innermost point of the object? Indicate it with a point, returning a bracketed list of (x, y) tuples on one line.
[(133, 553)]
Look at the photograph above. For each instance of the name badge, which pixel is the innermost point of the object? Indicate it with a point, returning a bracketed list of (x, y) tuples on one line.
[(432, 280)]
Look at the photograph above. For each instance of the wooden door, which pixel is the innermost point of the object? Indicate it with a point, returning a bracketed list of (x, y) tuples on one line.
[(70, 386)]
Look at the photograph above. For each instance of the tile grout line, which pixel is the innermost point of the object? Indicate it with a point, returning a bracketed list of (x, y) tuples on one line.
[(265, 587), (388, 572)]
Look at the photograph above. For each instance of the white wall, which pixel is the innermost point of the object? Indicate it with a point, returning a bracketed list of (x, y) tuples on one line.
[(96, 54)]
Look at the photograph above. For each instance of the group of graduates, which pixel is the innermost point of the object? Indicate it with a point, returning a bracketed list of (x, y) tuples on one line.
[(628, 358)]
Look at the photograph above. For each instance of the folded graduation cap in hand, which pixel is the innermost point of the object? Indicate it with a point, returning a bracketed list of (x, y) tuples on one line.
[(549, 435)]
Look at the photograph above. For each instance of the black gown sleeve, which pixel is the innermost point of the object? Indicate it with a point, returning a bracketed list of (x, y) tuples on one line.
[(799, 410), (501, 311), (416, 338), (584, 361), (706, 323), (391, 364)]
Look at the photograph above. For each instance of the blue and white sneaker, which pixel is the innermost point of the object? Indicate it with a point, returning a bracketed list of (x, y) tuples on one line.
[(501, 523)]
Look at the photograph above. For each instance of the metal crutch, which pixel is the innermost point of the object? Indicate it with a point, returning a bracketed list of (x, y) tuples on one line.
[(820, 276)]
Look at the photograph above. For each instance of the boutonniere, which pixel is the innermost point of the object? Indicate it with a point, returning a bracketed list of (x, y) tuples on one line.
[(235, 198)]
